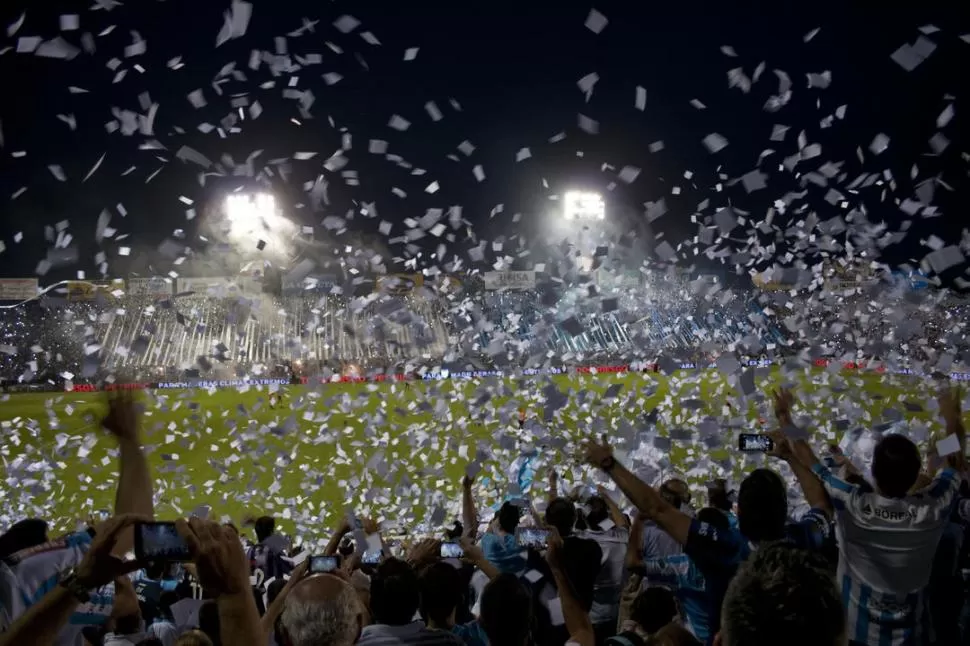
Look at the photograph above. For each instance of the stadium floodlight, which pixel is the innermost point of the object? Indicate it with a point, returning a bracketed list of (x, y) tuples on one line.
[(579, 205), (248, 209)]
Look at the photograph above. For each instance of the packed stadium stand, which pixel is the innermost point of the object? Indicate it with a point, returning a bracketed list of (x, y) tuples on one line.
[(235, 333)]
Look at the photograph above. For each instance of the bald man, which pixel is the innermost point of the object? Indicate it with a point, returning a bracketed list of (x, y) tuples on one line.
[(321, 610)]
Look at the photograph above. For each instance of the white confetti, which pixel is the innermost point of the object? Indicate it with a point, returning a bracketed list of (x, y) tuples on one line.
[(715, 142), (879, 144), (641, 98), (596, 21), (399, 123), (346, 24)]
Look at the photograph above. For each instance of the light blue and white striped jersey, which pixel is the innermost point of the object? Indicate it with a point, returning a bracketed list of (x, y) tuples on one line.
[(886, 548), (28, 575), (681, 574)]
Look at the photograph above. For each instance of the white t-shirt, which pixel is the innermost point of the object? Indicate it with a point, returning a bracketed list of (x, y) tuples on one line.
[(608, 587)]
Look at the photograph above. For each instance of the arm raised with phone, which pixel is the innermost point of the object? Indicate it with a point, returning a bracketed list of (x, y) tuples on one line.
[(222, 568)]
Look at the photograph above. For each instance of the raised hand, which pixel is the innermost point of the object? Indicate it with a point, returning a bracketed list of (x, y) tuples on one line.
[(949, 400), (554, 553), (473, 553), (218, 555), (783, 400), (424, 552), (596, 454), (782, 448), (99, 566), (122, 419)]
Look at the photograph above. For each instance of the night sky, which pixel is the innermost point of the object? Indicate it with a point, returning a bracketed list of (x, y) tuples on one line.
[(513, 68)]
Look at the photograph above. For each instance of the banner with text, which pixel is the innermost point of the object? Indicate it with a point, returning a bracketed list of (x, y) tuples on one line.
[(18, 289), (510, 279), (159, 287), (91, 290)]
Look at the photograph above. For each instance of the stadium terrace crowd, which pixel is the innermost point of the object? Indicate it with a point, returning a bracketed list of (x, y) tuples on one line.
[(877, 559)]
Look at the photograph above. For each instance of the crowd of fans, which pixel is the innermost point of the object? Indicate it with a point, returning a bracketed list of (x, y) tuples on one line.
[(877, 559), (231, 336)]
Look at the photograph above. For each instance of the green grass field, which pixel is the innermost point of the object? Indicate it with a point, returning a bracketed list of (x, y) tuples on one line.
[(396, 454)]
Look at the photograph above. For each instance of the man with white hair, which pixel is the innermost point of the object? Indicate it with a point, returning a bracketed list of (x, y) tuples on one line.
[(321, 610)]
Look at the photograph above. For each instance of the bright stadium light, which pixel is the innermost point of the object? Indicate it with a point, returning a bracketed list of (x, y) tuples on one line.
[(247, 210), (579, 205), (254, 224)]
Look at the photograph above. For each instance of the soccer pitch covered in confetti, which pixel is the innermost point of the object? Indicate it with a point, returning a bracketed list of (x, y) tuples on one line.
[(397, 452)]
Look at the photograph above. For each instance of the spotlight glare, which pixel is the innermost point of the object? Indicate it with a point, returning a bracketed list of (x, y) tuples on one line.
[(579, 205), (246, 209)]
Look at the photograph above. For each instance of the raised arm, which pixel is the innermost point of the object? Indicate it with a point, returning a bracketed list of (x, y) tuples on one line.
[(634, 566), (616, 514), (811, 486), (134, 494), (838, 490), (268, 621), (475, 556), (43, 622), (812, 489), (577, 620), (343, 528), (221, 564), (469, 515), (634, 546), (949, 401), (647, 499)]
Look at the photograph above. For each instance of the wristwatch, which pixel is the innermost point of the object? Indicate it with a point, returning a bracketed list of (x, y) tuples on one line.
[(70, 581), (608, 464)]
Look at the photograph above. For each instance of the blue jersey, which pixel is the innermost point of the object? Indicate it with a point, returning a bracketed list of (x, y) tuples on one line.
[(28, 575), (718, 553), (681, 574)]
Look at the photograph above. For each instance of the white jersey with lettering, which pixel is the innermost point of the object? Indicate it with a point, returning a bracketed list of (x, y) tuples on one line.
[(886, 548)]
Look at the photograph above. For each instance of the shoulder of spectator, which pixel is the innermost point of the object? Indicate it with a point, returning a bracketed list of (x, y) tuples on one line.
[(818, 517), (963, 510), (706, 543)]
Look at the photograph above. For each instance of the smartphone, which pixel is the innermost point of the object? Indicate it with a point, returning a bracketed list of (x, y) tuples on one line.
[(532, 537), (371, 557), (324, 564), (755, 442), (160, 542), (451, 551)]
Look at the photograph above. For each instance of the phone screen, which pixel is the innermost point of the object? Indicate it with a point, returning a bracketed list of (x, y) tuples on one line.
[(160, 542), (451, 551), (323, 564), (371, 557), (755, 442), (532, 537)]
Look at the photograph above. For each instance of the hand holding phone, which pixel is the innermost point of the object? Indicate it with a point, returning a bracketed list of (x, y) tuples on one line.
[(371, 557), (452, 551), (160, 541), (755, 442), (532, 537), (323, 564)]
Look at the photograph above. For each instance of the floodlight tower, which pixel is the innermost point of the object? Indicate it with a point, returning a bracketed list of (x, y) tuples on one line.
[(585, 211), (584, 206), (246, 210)]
